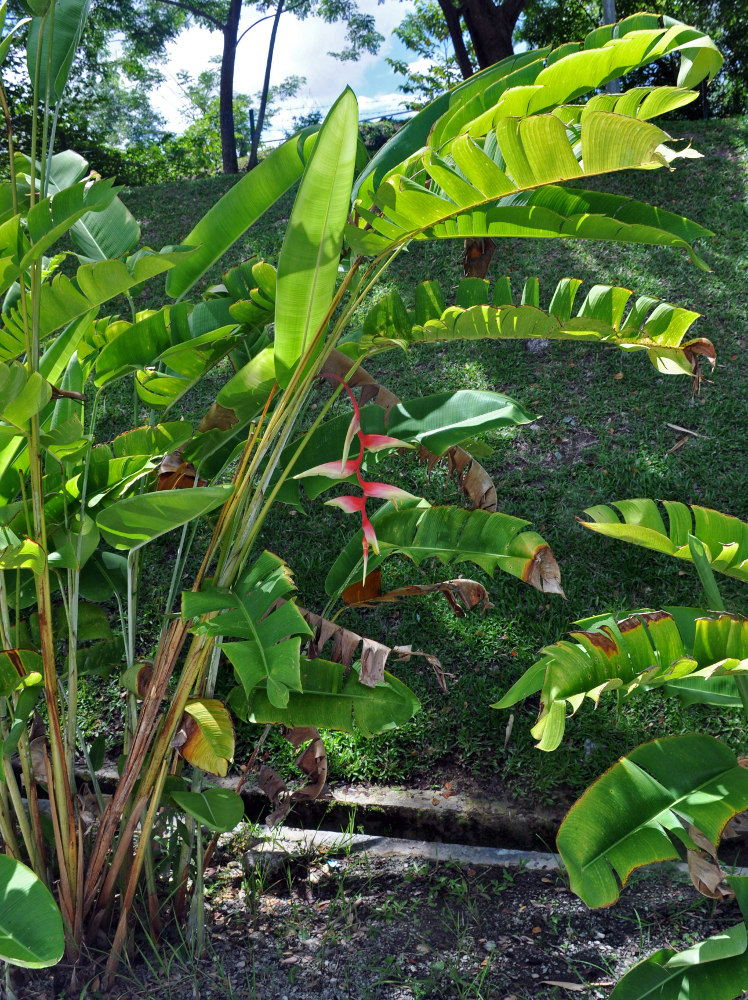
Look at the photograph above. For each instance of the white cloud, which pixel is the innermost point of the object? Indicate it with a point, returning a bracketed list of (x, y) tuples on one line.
[(301, 49)]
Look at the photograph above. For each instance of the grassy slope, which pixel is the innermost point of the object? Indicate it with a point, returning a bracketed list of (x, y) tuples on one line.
[(603, 436)]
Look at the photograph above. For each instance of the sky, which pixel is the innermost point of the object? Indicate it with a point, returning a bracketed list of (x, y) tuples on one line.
[(301, 49)]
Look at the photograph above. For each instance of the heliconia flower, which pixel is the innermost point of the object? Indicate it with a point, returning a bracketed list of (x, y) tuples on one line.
[(370, 538), (347, 467), (350, 504), (376, 442), (370, 535), (332, 470), (384, 491), (354, 428)]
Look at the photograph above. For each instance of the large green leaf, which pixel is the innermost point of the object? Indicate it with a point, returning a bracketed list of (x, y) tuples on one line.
[(206, 736), (137, 520), (310, 256), (110, 231), (640, 522), (545, 81), (22, 396), (56, 58), (242, 205), (333, 698), (626, 818), (31, 932), (268, 649), (217, 808), (451, 535), (716, 968), (649, 324), (63, 300), (508, 132), (646, 649)]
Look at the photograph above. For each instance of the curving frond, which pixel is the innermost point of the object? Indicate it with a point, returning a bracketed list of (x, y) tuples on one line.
[(648, 324), (646, 649), (640, 521), (452, 535), (502, 136)]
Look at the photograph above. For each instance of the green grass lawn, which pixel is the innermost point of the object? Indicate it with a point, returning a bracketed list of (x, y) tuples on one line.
[(603, 436)]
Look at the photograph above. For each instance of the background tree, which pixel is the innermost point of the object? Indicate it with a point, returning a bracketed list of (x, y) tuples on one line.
[(202, 108), (424, 32), (225, 16)]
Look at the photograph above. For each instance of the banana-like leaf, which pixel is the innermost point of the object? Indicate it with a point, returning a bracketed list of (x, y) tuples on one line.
[(649, 324), (235, 212), (267, 652), (716, 968), (58, 47), (205, 737), (31, 928), (135, 521), (110, 231), (63, 300), (23, 395), (646, 649), (217, 808), (641, 522), (493, 154), (333, 698), (451, 535), (49, 219), (310, 256), (575, 69), (545, 212), (626, 818)]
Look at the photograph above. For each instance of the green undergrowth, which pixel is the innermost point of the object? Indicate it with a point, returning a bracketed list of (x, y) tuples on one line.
[(603, 435)]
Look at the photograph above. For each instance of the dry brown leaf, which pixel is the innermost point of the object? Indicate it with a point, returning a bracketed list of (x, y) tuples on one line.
[(271, 783), (37, 750), (702, 841), (472, 479), (462, 595), (218, 417), (477, 256), (405, 653), (176, 474), (543, 572), (373, 659), (313, 762), (361, 593), (707, 878), (300, 735), (344, 642), (737, 826)]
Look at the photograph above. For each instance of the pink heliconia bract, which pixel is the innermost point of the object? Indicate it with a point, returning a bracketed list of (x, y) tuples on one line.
[(349, 466)]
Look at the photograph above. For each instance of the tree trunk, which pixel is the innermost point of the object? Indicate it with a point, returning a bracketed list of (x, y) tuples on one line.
[(610, 17), (452, 18), (491, 27), (252, 162), (226, 106)]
